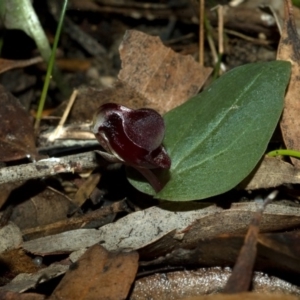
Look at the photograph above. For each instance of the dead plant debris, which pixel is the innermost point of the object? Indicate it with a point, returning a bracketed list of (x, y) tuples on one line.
[(71, 225)]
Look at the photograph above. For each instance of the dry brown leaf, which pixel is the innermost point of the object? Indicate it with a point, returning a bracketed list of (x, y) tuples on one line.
[(93, 219), (88, 5), (86, 189), (183, 284), (284, 244), (89, 99), (244, 296), (165, 78), (131, 232), (224, 250), (98, 274), (6, 295), (289, 49), (271, 172), (16, 135), (44, 208), (26, 281), (230, 221), (6, 189), (16, 261), (152, 76), (158, 230), (10, 237), (241, 276)]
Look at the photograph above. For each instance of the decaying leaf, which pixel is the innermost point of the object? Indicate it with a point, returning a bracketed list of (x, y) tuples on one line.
[(89, 99), (157, 230), (285, 244), (98, 274), (16, 135), (224, 249), (164, 78), (6, 190), (271, 172), (7, 295), (93, 219), (10, 237), (180, 285), (244, 296), (289, 49), (26, 281), (241, 276), (152, 76), (131, 232), (38, 209), (86, 189), (16, 261)]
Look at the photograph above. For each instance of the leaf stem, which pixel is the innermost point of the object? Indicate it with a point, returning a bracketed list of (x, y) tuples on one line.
[(151, 177), (50, 67), (284, 152)]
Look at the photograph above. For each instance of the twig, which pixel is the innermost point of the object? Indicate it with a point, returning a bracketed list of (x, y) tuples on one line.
[(272, 10), (63, 119), (248, 38), (241, 276), (220, 29), (92, 219), (201, 32), (51, 166)]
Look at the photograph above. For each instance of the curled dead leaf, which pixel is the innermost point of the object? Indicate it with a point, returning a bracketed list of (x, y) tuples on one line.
[(165, 78), (289, 49)]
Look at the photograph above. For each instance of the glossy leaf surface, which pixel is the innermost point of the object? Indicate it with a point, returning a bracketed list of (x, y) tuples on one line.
[(216, 138)]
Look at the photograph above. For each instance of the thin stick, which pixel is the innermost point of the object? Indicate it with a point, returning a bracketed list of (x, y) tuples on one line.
[(276, 18), (201, 32), (63, 119), (51, 166), (248, 38), (220, 29)]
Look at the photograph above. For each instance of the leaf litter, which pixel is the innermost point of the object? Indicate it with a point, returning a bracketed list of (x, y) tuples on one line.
[(289, 49), (98, 272), (184, 285), (174, 228), (164, 78), (17, 138)]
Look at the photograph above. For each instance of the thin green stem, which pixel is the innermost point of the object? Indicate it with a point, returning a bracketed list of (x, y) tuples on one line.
[(217, 68), (284, 152), (50, 67)]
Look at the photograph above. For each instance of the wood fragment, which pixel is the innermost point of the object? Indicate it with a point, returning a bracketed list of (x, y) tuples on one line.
[(51, 166)]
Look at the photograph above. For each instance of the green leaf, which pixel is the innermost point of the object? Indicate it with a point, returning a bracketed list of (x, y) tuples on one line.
[(216, 138), (19, 14)]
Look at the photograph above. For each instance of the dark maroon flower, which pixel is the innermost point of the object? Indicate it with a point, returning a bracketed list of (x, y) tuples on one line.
[(133, 137)]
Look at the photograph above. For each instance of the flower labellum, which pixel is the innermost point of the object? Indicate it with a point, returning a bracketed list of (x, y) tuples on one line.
[(133, 137)]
